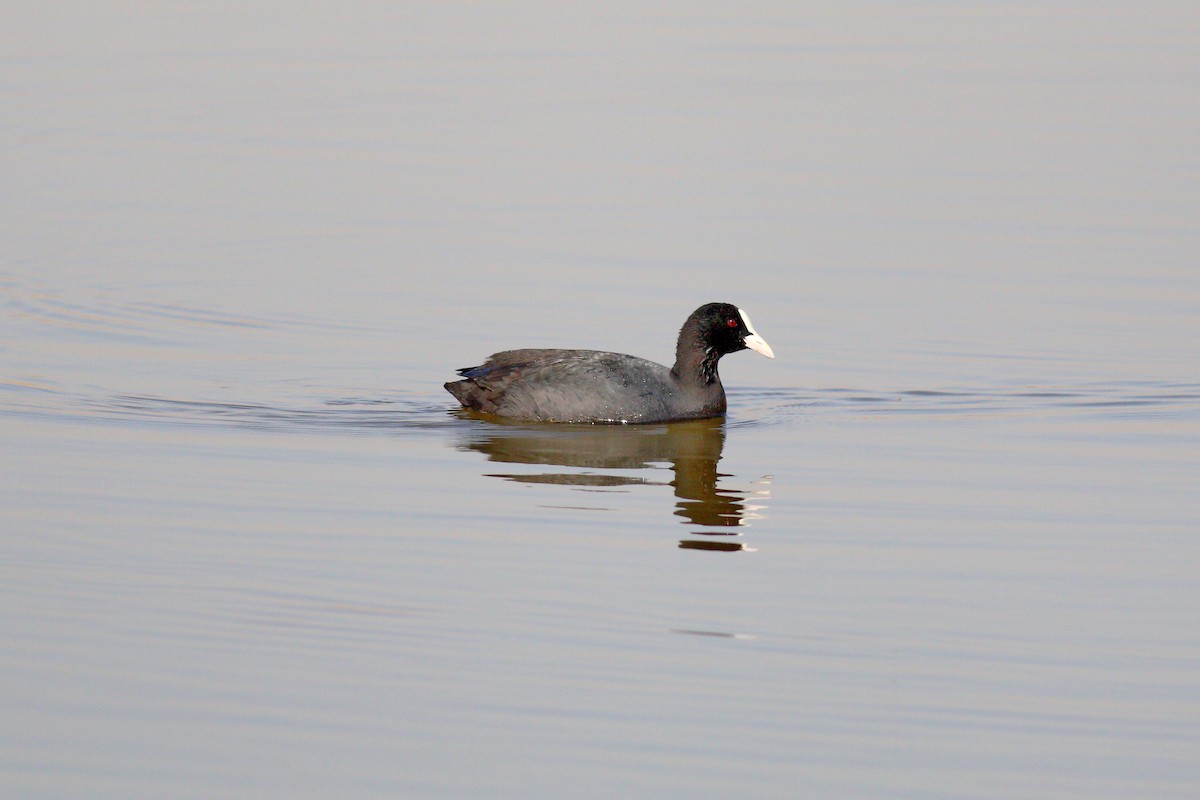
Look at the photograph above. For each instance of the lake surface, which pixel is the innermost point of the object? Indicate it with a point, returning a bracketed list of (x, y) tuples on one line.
[(945, 545)]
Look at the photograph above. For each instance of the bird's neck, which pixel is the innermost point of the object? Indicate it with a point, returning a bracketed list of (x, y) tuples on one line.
[(696, 366)]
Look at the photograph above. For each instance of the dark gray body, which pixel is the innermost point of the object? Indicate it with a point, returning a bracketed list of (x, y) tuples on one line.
[(594, 386), (584, 386)]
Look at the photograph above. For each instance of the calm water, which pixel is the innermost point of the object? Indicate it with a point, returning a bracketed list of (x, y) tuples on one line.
[(944, 546)]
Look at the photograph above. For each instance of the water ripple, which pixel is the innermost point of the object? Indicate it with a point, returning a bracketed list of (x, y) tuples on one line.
[(349, 415), (750, 407), (770, 406), (107, 314)]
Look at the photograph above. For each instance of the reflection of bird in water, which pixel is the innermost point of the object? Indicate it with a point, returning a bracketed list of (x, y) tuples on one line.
[(701, 501), (692, 449)]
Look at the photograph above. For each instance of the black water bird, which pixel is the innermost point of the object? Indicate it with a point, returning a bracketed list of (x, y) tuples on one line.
[(546, 385)]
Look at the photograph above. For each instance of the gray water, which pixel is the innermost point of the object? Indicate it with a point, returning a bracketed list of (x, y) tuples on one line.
[(944, 546)]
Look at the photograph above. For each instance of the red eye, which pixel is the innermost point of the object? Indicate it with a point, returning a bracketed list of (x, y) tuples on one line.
[(731, 322)]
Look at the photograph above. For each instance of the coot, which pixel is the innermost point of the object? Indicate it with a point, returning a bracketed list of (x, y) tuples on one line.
[(594, 386)]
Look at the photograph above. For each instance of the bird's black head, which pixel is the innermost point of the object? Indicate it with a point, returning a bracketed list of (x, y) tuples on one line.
[(709, 333), (725, 328)]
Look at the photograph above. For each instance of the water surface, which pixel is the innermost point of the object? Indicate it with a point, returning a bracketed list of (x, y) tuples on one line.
[(944, 545)]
